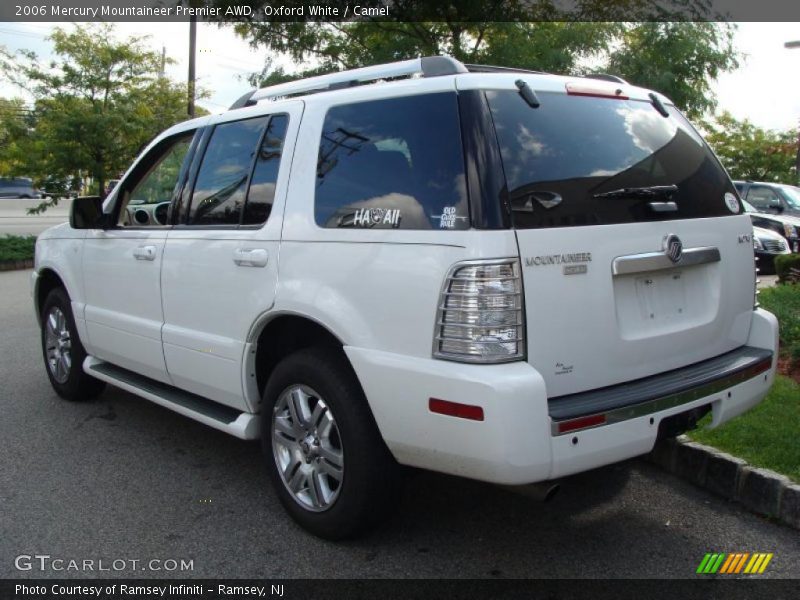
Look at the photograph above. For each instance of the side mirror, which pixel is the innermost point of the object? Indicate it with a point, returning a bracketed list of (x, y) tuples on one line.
[(776, 205), (87, 213)]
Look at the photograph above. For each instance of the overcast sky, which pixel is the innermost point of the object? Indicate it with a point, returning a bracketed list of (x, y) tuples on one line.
[(765, 89)]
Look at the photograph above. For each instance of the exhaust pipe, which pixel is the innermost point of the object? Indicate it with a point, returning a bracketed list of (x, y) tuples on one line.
[(541, 492)]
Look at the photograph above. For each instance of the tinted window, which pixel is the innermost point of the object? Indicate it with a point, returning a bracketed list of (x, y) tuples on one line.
[(791, 194), (393, 163), (147, 193), (159, 183), (219, 191), (265, 174), (762, 197), (559, 157)]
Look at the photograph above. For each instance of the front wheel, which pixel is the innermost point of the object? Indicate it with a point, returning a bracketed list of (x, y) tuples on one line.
[(325, 456), (63, 352)]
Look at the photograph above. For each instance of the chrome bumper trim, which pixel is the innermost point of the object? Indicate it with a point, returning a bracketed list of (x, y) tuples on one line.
[(626, 413)]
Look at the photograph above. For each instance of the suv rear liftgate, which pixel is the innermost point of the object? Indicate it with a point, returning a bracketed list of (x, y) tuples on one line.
[(638, 288)]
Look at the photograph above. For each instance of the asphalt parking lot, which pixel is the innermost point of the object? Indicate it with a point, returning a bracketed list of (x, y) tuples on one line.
[(121, 478)]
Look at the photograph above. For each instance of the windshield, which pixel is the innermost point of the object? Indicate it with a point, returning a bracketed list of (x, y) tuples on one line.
[(792, 195), (562, 159), (749, 207)]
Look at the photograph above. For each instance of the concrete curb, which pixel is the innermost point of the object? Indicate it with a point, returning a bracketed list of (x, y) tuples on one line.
[(13, 265), (760, 490)]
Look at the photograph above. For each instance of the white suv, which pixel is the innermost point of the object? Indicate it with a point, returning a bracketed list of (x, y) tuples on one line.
[(498, 274)]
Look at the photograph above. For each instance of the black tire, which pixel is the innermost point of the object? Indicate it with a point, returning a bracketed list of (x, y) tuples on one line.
[(70, 383), (370, 484)]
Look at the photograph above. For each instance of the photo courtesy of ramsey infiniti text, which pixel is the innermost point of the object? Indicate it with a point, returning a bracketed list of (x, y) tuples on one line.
[(492, 273)]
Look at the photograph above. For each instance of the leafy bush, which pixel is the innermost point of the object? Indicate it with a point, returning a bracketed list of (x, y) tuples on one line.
[(784, 302), (17, 247), (784, 263)]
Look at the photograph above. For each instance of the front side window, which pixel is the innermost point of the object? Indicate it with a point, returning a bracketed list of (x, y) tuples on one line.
[(147, 195), (390, 164), (568, 161), (219, 191)]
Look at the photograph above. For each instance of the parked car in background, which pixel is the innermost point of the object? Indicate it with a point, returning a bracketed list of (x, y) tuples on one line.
[(18, 187), (784, 225), (776, 198), (767, 245)]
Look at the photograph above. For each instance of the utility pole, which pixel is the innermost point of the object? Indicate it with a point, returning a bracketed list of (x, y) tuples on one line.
[(163, 60), (792, 45), (192, 47)]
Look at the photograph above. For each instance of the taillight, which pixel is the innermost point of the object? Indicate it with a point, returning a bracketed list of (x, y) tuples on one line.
[(480, 316)]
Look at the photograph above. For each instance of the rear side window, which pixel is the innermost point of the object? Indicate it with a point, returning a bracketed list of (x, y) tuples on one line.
[(265, 173), (219, 191), (763, 197), (561, 157), (390, 164)]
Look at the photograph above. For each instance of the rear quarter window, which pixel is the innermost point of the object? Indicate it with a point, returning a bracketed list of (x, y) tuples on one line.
[(392, 164), (557, 158)]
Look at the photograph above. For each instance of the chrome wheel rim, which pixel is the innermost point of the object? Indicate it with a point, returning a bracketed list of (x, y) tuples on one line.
[(307, 448), (58, 345)]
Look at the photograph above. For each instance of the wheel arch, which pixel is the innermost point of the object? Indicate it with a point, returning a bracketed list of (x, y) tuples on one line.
[(275, 336), (47, 279)]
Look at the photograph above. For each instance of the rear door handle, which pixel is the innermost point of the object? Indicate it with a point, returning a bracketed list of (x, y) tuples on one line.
[(144, 253), (250, 257)]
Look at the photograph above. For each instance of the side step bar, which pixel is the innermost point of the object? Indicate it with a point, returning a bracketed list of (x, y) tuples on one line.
[(245, 426)]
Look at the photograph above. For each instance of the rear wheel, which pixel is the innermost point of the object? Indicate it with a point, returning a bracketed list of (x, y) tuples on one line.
[(325, 456), (63, 352)]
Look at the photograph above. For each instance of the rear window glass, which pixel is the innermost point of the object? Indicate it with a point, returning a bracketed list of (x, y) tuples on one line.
[(560, 157), (392, 164)]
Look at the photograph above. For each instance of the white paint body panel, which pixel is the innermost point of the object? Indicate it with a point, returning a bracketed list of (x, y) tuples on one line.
[(123, 299), (592, 330)]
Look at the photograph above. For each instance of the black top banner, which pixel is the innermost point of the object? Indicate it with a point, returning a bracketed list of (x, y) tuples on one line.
[(398, 10)]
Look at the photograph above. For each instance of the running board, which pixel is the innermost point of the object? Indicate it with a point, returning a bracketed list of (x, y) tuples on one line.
[(243, 425)]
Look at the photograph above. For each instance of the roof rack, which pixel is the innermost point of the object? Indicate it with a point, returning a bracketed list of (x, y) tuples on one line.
[(427, 66), (493, 69), (606, 77)]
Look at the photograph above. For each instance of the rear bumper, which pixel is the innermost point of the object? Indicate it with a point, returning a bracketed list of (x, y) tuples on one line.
[(515, 444)]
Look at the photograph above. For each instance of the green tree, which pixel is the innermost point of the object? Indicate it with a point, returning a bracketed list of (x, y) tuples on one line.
[(95, 105), (16, 126), (750, 152), (679, 59)]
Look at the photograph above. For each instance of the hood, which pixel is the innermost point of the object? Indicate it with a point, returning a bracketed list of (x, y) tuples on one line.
[(791, 219), (762, 233)]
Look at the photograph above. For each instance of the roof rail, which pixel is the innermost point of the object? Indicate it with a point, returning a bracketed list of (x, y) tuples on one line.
[(606, 77), (493, 69), (427, 66)]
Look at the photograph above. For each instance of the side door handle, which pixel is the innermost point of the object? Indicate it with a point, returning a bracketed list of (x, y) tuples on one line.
[(250, 257), (144, 253)]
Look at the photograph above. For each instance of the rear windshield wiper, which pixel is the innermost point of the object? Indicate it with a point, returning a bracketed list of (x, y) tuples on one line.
[(527, 93), (653, 191), (658, 105)]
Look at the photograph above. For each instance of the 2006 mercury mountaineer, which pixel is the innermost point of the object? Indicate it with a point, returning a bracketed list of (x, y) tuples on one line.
[(498, 274)]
